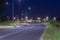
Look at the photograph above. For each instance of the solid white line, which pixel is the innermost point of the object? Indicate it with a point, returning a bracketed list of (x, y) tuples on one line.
[(13, 33)]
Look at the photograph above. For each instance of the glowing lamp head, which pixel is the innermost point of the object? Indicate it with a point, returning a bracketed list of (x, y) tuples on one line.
[(6, 3)]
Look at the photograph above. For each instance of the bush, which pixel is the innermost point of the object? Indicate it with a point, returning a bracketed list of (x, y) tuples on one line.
[(57, 25), (54, 24)]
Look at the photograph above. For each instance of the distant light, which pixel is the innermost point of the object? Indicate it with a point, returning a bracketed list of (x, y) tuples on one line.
[(54, 18), (22, 14), (29, 8), (6, 3), (47, 17), (21, 18), (14, 18), (26, 17), (38, 18), (44, 19), (19, 0)]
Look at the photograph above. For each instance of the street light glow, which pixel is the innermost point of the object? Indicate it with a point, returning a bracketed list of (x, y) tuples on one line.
[(44, 19), (21, 18), (38, 18), (6, 3), (19, 1), (29, 8), (47, 17), (26, 16), (14, 18), (54, 18)]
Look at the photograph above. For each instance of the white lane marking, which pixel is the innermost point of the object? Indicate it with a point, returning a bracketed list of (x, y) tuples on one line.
[(14, 33)]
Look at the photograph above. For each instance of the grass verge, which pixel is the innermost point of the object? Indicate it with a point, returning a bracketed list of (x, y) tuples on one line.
[(52, 33)]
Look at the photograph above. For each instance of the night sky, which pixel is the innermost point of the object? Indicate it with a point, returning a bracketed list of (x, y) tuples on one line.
[(39, 8)]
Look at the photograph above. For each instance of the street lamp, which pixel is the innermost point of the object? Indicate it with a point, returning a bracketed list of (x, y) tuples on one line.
[(7, 9), (27, 11), (13, 9)]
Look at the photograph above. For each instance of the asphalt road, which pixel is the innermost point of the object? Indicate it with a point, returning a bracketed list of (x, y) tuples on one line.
[(33, 31)]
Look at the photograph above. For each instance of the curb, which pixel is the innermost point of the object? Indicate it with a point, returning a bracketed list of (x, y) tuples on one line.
[(43, 34)]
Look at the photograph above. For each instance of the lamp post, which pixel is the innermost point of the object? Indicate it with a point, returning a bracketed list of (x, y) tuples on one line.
[(13, 9), (8, 18), (25, 15)]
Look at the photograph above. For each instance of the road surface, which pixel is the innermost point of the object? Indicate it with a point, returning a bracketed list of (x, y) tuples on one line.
[(33, 31)]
